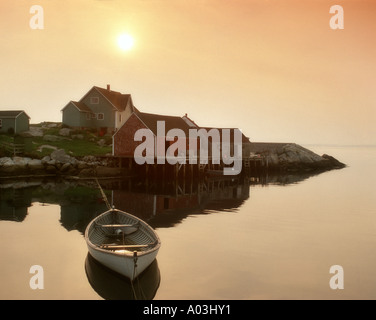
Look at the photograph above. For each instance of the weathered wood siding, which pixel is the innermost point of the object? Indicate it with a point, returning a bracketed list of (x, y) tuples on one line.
[(102, 107), (74, 118), (19, 124), (6, 124), (122, 117), (22, 123), (123, 140)]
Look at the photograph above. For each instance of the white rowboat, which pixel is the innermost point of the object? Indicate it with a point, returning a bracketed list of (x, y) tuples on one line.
[(122, 242)]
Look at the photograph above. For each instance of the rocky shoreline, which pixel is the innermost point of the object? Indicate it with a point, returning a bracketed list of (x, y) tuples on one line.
[(60, 164), (291, 157), (288, 157)]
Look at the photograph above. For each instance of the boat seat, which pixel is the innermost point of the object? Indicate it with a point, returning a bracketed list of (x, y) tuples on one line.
[(118, 225), (122, 247)]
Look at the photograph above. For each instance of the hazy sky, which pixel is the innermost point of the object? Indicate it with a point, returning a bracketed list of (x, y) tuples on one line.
[(273, 68)]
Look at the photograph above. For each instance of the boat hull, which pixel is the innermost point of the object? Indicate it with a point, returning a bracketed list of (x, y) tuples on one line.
[(124, 264)]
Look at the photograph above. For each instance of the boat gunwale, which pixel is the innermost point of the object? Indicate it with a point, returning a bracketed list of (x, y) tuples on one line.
[(125, 253)]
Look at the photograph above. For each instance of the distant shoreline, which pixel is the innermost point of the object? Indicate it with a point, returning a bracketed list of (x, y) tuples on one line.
[(281, 157), (294, 157), (54, 150)]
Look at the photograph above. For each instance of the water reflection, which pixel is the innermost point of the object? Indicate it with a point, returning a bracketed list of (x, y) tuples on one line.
[(165, 205), (162, 204), (14, 204), (112, 286)]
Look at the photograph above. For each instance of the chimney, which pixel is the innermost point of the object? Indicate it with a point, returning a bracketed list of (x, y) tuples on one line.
[(108, 87)]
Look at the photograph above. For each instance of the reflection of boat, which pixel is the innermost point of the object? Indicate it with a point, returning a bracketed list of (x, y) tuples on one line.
[(122, 242), (111, 286)]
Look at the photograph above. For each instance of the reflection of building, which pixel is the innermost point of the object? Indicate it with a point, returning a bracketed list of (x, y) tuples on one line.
[(146, 205), (166, 206), (76, 216), (14, 204)]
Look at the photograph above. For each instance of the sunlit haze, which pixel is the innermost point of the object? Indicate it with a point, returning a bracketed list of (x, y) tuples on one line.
[(125, 42), (275, 69)]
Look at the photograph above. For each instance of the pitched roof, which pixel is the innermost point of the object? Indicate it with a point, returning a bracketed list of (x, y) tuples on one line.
[(244, 138), (171, 122), (189, 121), (11, 113), (117, 99), (81, 106)]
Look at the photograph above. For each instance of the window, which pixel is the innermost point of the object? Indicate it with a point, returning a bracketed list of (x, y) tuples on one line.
[(1, 123), (100, 116), (93, 116), (94, 100), (88, 116), (120, 118)]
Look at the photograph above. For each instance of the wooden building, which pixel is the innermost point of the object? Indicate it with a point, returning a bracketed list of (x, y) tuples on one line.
[(124, 144), (14, 121), (102, 109)]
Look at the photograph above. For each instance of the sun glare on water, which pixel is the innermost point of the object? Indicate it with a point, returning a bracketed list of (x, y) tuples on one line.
[(125, 42)]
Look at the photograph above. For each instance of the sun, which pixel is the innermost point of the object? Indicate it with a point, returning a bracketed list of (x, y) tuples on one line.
[(125, 42)]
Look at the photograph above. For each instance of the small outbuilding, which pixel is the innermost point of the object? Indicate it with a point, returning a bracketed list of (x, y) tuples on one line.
[(14, 121)]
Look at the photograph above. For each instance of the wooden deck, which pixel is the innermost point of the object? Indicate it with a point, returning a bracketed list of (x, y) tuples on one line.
[(250, 165)]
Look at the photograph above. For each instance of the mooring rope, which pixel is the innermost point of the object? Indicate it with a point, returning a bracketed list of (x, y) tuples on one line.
[(135, 258), (103, 195)]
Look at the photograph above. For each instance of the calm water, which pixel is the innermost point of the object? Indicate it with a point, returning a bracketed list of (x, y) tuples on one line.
[(273, 239)]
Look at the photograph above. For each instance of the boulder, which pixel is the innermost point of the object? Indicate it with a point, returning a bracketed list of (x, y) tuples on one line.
[(35, 164), (293, 157), (6, 162), (20, 165), (46, 146), (91, 161), (78, 136), (51, 162), (46, 159), (60, 156), (65, 132), (7, 165), (52, 138), (333, 161), (33, 132), (65, 167), (20, 162), (272, 159), (101, 142), (51, 125), (81, 165)]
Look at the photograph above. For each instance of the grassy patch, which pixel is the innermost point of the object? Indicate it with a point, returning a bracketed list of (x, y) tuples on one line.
[(4, 139), (79, 143), (75, 148)]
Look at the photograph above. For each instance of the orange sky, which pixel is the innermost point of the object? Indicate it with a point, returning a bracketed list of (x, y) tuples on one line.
[(273, 68)]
